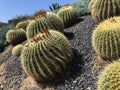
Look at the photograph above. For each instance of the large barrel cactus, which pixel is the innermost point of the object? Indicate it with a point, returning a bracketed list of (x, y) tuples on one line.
[(16, 51), (47, 56), (16, 36), (44, 20), (109, 79), (103, 9), (106, 39), (69, 15), (23, 24)]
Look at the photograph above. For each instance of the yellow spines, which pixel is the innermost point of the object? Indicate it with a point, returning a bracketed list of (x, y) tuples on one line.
[(109, 79), (106, 39)]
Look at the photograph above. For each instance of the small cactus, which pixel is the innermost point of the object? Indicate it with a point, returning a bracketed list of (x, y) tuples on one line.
[(103, 9), (16, 36), (109, 79), (106, 39), (68, 14), (44, 20), (23, 24), (16, 51), (47, 56)]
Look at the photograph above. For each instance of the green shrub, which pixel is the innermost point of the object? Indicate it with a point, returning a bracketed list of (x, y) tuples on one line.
[(3, 31), (81, 6)]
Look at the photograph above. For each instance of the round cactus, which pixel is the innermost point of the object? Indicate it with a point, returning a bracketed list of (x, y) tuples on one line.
[(43, 21), (16, 51), (16, 36), (68, 14), (47, 56), (23, 24), (106, 39), (109, 79), (103, 9)]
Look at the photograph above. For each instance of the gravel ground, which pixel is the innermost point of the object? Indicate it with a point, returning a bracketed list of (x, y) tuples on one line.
[(81, 75)]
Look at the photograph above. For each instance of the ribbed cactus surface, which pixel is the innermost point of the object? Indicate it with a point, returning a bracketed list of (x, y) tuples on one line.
[(44, 21), (16, 51), (103, 9), (109, 79), (16, 36), (69, 15), (23, 24), (106, 39), (47, 56)]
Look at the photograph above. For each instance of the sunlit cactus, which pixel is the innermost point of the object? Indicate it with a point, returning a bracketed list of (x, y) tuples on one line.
[(23, 24), (16, 36), (106, 39), (103, 9), (109, 79), (47, 56), (16, 51), (68, 14), (44, 20)]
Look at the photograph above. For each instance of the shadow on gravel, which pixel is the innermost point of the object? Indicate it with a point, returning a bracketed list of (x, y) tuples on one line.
[(69, 35), (76, 68)]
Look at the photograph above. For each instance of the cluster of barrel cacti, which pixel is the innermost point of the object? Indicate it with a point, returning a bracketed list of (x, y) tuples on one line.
[(106, 41), (47, 53)]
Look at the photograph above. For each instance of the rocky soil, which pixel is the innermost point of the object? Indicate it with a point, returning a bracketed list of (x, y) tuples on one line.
[(82, 75)]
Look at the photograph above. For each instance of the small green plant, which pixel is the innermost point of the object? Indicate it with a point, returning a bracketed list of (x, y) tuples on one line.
[(109, 79), (103, 9), (106, 39), (54, 6), (47, 56), (15, 36), (44, 20), (68, 14), (16, 51)]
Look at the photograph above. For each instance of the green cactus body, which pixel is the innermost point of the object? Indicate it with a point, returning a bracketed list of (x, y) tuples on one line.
[(16, 51), (106, 39), (16, 36), (47, 56), (44, 21), (23, 24), (109, 79), (68, 14), (55, 21), (103, 9)]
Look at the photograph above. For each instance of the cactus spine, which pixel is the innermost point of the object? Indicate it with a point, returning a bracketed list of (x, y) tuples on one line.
[(68, 14), (106, 39), (103, 9), (47, 56), (16, 51), (16, 36), (44, 20), (23, 24), (109, 79)]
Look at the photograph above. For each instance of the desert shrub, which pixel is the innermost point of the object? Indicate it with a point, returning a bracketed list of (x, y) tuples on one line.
[(81, 6), (3, 31)]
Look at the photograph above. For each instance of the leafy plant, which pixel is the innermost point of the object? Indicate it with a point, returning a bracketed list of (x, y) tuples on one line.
[(54, 6)]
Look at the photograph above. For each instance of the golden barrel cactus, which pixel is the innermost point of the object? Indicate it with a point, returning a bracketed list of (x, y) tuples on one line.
[(106, 39), (47, 56), (103, 9), (109, 79)]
